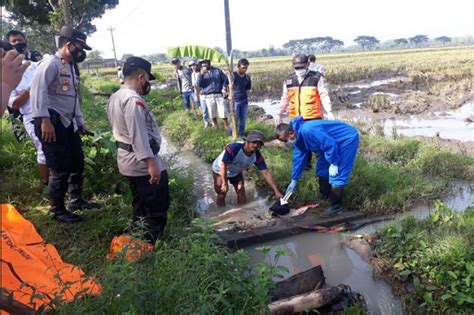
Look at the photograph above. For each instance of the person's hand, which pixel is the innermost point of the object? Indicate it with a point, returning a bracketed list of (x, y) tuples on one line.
[(330, 116), (333, 170), (154, 172), (278, 195), (84, 131), (13, 68), (48, 134), (291, 187), (224, 188)]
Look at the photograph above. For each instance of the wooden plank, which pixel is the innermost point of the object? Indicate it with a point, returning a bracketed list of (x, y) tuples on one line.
[(283, 227)]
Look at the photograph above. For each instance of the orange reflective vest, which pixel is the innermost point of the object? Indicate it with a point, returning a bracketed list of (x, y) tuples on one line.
[(304, 97)]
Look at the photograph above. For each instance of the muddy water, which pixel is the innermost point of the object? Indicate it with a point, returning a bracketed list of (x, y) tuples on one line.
[(449, 125), (368, 85), (204, 183), (460, 198), (342, 265)]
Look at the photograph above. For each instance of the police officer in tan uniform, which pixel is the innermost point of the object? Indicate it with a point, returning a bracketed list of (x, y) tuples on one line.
[(59, 122), (138, 141)]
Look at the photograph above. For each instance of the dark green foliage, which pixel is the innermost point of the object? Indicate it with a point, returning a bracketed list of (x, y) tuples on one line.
[(436, 257), (46, 12)]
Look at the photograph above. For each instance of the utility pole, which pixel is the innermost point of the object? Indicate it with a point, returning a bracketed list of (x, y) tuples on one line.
[(111, 29), (228, 35), (230, 76)]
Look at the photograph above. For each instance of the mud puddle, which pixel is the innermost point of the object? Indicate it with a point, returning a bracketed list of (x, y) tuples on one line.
[(368, 85), (454, 125)]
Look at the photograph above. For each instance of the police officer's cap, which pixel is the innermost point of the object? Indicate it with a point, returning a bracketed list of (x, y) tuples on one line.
[(69, 32), (133, 63), (300, 61)]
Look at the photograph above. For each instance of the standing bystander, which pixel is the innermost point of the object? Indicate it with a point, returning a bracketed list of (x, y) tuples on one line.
[(184, 81), (242, 84), (212, 83)]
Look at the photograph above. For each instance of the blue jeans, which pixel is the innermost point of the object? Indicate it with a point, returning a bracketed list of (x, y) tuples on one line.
[(186, 96), (205, 113), (241, 109)]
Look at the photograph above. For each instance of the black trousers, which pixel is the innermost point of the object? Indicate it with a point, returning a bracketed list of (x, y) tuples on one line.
[(151, 203), (65, 160)]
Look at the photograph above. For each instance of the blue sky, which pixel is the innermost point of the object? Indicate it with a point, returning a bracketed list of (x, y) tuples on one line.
[(149, 26)]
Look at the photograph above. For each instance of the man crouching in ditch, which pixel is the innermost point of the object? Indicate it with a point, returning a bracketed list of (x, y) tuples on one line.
[(236, 158), (138, 140), (336, 144)]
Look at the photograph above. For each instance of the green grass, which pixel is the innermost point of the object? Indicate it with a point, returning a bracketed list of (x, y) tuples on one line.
[(190, 270), (431, 262)]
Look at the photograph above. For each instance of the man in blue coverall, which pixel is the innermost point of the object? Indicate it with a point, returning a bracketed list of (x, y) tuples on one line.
[(336, 144)]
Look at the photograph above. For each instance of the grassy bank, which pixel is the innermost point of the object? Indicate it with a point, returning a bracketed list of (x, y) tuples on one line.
[(190, 270), (430, 263)]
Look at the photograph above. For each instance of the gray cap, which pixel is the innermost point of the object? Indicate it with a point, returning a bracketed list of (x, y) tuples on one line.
[(193, 62), (255, 136), (69, 32), (136, 62), (300, 60)]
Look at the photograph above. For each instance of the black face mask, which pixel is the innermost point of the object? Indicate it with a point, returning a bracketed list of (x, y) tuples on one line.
[(146, 88), (20, 47), (78, 55)]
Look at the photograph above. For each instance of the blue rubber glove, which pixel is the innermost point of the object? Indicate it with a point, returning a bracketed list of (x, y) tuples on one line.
[(291, 187), (333, 170)]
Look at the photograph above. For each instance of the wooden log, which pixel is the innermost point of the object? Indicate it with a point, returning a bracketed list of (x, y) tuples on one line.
[(307, 301), (300, 283)]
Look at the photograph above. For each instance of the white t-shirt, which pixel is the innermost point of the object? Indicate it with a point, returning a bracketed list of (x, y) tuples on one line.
[(25, 84)]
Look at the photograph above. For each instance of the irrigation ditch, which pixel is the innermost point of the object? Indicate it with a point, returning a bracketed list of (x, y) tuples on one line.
[(343, 262)]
